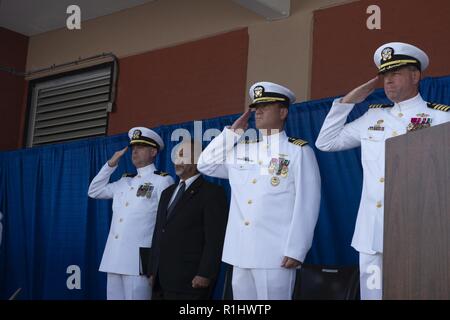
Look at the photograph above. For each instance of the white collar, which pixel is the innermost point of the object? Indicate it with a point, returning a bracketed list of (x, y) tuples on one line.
[(147, 169), (410, 103), (276, 137)]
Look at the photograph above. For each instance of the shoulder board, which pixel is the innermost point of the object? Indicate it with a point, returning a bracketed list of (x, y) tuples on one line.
[(129, 175), (380, 106), (298, 142), (249, 141), (437, 106), (161, 173)]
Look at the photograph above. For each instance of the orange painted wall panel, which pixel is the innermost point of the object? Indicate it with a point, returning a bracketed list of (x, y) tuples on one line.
[(13, 54), (343, 46), (192, 81)]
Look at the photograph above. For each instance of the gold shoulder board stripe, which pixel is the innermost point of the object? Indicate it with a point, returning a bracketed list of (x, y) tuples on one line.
[(249, 141), (161, 173), (437, 106), (298, 142), (375, 106), (128, 175)]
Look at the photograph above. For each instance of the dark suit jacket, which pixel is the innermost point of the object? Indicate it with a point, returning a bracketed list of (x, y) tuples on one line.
[(189, 242)]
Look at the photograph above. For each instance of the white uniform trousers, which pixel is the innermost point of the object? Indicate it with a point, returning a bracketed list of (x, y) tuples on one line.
[(371, 276), (125, 287), (263, 284)]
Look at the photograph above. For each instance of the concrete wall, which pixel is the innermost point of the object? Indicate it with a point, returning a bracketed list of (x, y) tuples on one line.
[(322, 49), (279, 51)]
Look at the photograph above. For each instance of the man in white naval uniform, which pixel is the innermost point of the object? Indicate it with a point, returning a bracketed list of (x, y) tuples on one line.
[(135, 202), (399, 66), (275, 197)]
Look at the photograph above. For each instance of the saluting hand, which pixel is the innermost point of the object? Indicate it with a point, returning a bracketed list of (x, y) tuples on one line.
[(116, 157), (360, 93), (241, 123), (290, 263), (200, 282)]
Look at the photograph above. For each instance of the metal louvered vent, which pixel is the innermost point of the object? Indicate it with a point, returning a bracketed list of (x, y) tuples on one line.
[(70, 107)]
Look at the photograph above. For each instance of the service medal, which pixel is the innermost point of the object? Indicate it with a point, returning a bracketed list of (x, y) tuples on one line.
[(145, 190), (275, 181), (273, 166), (284, 168)]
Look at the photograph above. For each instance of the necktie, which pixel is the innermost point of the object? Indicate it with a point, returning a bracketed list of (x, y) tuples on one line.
[(177, 198)]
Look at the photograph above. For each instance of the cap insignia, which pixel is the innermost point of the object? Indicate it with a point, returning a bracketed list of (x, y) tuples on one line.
[(137, 134), (387, 53), (258, 92)]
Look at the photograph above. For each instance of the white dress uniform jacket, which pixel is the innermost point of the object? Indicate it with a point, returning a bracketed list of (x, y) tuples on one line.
[(271, 215), (135, 203), (370, 131)]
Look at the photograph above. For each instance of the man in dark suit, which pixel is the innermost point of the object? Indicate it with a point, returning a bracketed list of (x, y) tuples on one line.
[(189, 233)]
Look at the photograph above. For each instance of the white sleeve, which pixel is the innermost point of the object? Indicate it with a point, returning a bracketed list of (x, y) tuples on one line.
[(99, 187), (335, 135), (306, 207), (213, 160)]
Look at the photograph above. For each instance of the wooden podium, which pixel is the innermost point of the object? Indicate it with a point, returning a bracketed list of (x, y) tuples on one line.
[(416, 258)]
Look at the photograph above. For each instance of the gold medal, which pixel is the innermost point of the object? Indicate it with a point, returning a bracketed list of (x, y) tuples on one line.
[(275, 181)]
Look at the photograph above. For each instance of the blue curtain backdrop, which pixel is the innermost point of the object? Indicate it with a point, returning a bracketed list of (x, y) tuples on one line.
[(49, 223)]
